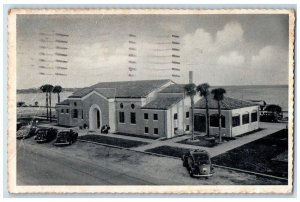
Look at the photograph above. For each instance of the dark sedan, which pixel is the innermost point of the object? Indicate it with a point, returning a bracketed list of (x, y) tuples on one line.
[(198, 163), (45, 135), (66, 137), (26, 132)]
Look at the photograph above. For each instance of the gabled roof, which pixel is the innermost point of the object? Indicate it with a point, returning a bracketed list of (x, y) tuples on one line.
[(174, 88), (226, 104), (122, 89), (163, 102)]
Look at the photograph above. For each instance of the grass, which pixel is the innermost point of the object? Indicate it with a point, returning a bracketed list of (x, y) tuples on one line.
[(169, 151), (257, 156), (207, 143), (203, 142), (112, 141), (141, 136)]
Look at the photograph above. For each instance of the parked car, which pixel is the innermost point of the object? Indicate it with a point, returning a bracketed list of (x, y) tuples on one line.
[(45, 135), (271, 113), (66, 137), (198, 163), (26, 132)]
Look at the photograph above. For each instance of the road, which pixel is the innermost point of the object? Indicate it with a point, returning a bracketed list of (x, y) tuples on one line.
[(90, 164), (37, 165)]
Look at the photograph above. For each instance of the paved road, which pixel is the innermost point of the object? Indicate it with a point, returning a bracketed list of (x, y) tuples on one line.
[(37, 165)]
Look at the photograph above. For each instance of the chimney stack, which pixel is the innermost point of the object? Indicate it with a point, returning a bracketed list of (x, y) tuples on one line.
[(190, 76)]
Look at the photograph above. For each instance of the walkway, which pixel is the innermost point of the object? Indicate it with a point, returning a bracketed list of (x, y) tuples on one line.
[(268, 128)]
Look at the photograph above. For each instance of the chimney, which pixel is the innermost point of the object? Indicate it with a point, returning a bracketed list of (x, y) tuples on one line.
[(190, 76)]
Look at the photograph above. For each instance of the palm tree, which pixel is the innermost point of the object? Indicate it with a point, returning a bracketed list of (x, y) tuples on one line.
[(58, 90), (190, 90), (47, 88), (44, 90), (219, 96), (50, 89), (203, 89)]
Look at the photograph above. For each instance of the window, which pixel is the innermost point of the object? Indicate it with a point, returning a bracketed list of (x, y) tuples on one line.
[(132, 118), (121, 117), (236, 120), (187, 127), (175, 116), (82, 114), (146, 130), (155, 117), (145, 115), (187, 114), (75, 113), (121, 106), (175, 129), (214, 120), (67, 111), (155, 131), (245, 118), (254, 116), (75, 104), (62, 111), (132, 106)]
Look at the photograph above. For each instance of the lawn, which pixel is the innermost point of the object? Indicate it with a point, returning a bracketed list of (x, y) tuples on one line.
[(203, 142), (141, 136), (112, 141), (169, 151), (259, 156)]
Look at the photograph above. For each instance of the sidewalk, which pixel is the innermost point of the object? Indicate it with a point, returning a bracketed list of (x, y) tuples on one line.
[(268, 128)]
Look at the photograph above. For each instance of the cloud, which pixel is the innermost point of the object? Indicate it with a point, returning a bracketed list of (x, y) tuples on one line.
[(231, 59), (231, 34)]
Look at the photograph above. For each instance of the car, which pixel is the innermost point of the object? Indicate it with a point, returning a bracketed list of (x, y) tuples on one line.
[(198, 163), (66, 137), (26, 132), (271, 113), (45, 135)]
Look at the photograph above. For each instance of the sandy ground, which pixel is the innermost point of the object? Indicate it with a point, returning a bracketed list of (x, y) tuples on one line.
[(146, 168)]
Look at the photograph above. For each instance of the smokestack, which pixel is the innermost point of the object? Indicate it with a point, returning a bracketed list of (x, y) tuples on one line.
[(190, 76)]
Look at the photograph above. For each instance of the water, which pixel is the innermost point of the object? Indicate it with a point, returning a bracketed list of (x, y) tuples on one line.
[(271, 94), (31, 98)]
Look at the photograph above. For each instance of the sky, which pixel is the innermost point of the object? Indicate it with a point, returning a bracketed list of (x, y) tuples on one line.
[(219, 49)]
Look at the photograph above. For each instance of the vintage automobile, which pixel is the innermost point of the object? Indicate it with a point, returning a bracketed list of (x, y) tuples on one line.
[(26, 132), (66, 137), (45, 135), (271, 113), (198, 163)]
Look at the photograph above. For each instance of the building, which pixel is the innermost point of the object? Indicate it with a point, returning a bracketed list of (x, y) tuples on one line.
[(148, 107), (237, 116)]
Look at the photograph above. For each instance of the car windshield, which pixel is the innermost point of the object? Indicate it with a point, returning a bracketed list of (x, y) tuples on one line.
[(202, 158), (42, 132)]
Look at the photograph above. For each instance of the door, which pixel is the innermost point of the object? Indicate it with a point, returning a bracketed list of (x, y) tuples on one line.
[(199, 123)]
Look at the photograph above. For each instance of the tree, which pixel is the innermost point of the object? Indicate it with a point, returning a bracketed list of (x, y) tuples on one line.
[(219, 96), (203, 90), (47, 88), (58, 90), (190, 90)]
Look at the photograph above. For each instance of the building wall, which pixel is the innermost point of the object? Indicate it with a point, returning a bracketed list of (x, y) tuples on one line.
[(63, 118), (244, 128), (215, 130), (151, 123), (101, 102), (127, 127)]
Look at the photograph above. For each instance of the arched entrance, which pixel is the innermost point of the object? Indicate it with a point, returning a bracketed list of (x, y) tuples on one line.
[(94, 117)]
